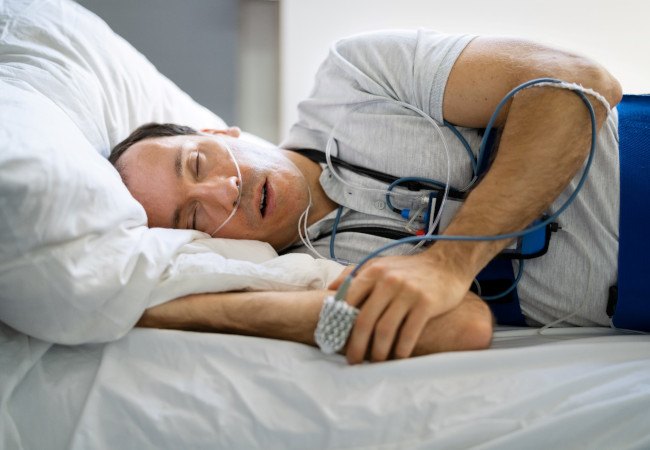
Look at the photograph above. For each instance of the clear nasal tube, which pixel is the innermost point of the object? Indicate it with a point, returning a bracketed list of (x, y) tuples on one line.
[(239, 186)]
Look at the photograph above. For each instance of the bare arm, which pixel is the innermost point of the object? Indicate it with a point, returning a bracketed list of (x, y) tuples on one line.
[(546, 136), (544, 142), (293, 316), (289, 316)]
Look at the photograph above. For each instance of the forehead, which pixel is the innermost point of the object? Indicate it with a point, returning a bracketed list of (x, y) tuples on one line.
[(147, 147), (149, 169)]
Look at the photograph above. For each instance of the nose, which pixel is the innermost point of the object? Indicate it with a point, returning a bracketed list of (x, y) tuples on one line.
[(219, 194)]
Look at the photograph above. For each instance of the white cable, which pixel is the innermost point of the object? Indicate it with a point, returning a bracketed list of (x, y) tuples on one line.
[(330, 141), (585, 300), (239, 185), (605, 103), (575, 87), (431, 229), (433, 221), (302, 225)]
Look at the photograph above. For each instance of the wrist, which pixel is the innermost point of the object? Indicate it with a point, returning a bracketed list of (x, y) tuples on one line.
[(473, 219), (461, 260)]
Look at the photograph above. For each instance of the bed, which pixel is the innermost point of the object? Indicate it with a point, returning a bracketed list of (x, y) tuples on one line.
[(171, 389), (78, 266)]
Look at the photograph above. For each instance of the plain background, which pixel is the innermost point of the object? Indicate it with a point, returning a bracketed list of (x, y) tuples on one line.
[(617, 34), (252, 61), (224, 53)]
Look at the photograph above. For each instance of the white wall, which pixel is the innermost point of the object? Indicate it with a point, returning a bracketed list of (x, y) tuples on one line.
[(258, 68), (615, 33)]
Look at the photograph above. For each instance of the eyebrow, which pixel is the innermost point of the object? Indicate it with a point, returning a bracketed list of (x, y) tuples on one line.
[(178, 168)]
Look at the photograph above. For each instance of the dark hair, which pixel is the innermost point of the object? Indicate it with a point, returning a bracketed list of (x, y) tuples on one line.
[(147, 131)]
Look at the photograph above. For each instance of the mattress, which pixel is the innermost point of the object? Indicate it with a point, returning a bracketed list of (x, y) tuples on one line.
[(165, 389)]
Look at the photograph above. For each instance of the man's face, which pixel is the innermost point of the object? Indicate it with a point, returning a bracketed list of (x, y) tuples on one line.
[(191, 182)]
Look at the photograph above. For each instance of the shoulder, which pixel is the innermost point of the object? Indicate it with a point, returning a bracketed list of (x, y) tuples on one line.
[(393, 40), (374, 39)]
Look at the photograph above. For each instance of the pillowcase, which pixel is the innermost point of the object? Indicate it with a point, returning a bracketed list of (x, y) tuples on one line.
[(77, 262)]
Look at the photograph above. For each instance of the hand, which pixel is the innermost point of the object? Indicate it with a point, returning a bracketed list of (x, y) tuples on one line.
[(397, 296)]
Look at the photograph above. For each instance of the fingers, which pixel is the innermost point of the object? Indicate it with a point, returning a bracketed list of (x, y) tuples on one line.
[(410, 334), (364, 326), (375, 290), (397, 296), (385, 323), (386, 331), (386, 302), (334, 285)]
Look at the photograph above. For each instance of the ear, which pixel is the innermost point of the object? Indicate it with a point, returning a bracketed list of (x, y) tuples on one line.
[(230, 131)]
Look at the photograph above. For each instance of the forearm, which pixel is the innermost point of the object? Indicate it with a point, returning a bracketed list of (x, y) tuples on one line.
[(545, 140), (277, 315), (293, 316), (546, 136), (469, 326)]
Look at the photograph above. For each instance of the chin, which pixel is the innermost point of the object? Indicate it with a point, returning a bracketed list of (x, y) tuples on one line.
[(282, 244), (279, 247)]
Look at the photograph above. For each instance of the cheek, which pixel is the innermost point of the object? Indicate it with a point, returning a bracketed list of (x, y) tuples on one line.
[(236, 229), (253, 160)]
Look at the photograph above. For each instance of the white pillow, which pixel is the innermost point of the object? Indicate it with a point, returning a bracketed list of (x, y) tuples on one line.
[(77, 262)]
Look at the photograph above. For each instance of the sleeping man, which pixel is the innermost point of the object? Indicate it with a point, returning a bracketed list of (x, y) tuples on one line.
[(373, 100)]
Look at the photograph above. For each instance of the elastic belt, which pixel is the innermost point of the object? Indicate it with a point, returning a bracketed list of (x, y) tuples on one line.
[(631, 307)]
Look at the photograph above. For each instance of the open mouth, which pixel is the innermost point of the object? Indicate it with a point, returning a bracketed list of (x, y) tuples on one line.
[(263, 200)]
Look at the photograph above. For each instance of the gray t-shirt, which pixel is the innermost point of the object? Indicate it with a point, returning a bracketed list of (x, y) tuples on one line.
[(354, 94)]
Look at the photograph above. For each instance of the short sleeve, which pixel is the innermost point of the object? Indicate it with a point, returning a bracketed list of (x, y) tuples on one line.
[(408, 66)]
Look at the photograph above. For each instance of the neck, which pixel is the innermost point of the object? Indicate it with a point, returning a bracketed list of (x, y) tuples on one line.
[(321, 203)]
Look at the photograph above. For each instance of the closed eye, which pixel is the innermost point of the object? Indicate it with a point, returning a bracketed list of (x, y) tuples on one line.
[(197, 171)]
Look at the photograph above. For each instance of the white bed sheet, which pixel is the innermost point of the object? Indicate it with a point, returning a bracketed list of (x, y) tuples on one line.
[(172, 389)]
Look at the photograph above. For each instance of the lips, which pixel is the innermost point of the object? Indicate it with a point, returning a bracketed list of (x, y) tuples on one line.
[(263, 199), (269, 199)]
